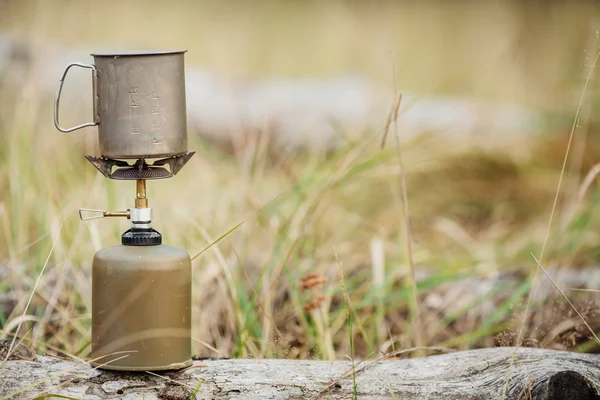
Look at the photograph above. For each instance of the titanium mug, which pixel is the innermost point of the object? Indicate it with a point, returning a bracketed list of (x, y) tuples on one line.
[(138, 103)]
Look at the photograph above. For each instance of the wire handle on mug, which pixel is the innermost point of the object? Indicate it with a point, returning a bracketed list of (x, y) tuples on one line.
[(94, 94)]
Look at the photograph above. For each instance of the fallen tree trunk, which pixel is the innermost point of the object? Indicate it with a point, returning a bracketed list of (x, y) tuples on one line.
[(475, 374)]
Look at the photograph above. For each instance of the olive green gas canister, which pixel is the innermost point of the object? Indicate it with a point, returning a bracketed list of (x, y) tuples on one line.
[(141, 305)]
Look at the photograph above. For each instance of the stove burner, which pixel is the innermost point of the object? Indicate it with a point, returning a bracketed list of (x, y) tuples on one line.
[(140, 169), (146, 173)]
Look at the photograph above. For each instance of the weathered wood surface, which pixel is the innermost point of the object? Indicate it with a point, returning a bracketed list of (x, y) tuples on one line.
[(476, 374)]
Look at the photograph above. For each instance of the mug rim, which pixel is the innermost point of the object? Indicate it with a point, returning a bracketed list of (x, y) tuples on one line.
[(137, 53)]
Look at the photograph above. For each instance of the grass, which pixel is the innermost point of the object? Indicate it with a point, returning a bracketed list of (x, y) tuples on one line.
[(592, 67), (258, 225), (350, 330)]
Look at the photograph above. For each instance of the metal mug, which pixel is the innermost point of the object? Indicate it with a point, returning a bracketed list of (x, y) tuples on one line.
[(138, 103)]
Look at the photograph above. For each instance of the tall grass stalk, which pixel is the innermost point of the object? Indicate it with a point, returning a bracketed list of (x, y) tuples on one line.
[(378, 268), (349, 319), (408, 246)]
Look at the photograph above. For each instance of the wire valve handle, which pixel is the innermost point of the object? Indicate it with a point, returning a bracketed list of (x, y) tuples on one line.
[(103, 214)]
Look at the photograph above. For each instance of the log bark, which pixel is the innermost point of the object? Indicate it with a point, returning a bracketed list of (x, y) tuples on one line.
[(476, 374)]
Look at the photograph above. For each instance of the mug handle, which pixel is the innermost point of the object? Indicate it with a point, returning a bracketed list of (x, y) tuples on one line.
[(94, 94)]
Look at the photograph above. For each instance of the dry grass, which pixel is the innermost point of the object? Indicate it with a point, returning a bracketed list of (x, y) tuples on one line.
[(271, 288)]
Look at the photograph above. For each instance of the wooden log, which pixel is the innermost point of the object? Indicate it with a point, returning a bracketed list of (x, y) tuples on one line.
[(475, 374)]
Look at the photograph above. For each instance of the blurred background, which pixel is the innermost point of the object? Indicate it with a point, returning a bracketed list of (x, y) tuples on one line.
[(289, 114)]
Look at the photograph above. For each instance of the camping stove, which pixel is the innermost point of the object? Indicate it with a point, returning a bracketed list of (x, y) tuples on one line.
[(141, 289)]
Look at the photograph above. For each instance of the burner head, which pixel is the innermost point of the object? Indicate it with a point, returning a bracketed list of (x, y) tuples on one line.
[(121, 170), (145, 173)]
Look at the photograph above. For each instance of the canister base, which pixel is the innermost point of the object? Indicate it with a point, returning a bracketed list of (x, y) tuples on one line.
[(169, 367)]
